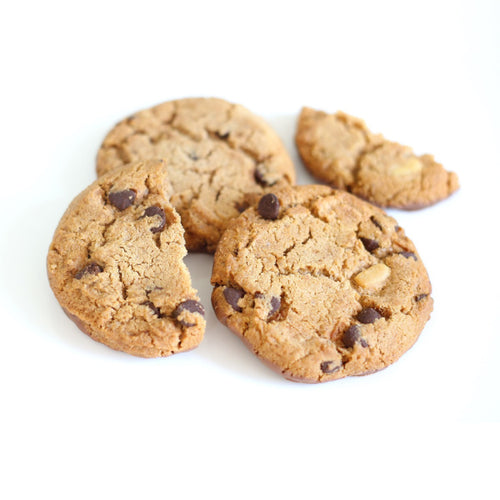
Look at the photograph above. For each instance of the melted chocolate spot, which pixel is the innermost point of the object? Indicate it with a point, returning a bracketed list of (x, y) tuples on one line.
[(269, 206), (152, 307), (275, 307), (376, 222), (232, 296), (260, 178), (369, 244), (420, 297), (408, 255), (368, 315), (122, 199), (91, 268), (329, 367), (151, 212), (241, 207), (192, 306), (353, 335)]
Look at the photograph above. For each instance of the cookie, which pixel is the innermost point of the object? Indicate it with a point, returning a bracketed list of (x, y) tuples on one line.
[(116, 265), (340, 150), (216, 154), (320, 284)]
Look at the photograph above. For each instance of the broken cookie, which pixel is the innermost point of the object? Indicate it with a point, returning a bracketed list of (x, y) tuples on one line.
[(340, 150), (116, 265)]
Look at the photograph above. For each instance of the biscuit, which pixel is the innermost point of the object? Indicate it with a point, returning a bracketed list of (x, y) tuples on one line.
[(116, 265), (216, 154), (340, 150), (320, 284)]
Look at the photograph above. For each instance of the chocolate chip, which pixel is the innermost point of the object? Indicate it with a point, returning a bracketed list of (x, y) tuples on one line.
[(353, 335), (152, 307), (192, 306), (232, 296), (151, 212), (275, 307), (221, 135), (122, 199), (91, 268), (418, 298), (329, 366), (368, 315), (376, 222), (408, 255), (369, 244), (269, 206), (193, 156)]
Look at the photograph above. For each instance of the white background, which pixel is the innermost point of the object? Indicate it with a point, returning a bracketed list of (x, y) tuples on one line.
[(78, 420)]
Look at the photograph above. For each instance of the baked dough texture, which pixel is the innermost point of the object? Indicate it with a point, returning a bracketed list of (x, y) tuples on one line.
[(216, 154), (323, 287), (116, 265)]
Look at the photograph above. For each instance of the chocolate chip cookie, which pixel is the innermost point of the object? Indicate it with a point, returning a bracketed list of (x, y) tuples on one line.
[(116, 265), (216, 154), (340, 150), (320, 284)]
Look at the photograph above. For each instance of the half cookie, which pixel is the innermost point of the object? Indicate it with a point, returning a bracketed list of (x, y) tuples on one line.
[(340, 150), (216, 154), (320, 284), (116, 265)]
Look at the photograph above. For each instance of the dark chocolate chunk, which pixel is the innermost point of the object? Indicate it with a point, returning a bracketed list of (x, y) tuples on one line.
[(376, 222), (368, 315), (408, 255), (353, 335), (369, 244), (232, 296), (192, 306), (275, 307), (152, 307), (122, 199), (91, 268), (269, 206), (151, 212), (329, 367)]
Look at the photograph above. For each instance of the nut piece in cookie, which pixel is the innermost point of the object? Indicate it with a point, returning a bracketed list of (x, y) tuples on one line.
[(328, 287), (340, 150), (116, 265)]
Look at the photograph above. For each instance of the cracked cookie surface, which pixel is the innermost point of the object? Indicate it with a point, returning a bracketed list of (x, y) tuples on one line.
[(323, 287), (216, 154), (340, 150), (116, 265)]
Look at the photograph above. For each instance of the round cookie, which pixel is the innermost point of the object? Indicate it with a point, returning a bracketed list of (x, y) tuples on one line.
[(320, 284), (116, 265), (340, 150), (216, 154)]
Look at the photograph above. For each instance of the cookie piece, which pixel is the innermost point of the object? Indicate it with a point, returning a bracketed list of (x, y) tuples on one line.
[(341, 151), (331, 287), (216, 154), (116, 265)]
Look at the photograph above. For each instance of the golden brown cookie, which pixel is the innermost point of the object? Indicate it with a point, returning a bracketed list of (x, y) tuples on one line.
[(116, 265), (320, 284), (341, 151), (216, 153)]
